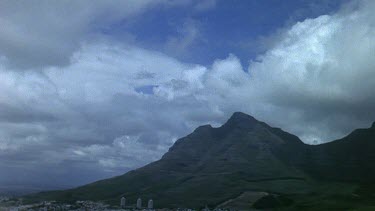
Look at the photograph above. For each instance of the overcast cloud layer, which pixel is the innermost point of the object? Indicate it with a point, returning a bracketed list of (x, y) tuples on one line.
[(74, 101)]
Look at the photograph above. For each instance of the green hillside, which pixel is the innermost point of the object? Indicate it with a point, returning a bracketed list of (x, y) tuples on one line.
[(244, 158)]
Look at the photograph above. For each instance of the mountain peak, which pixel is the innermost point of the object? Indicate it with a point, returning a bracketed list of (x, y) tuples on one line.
[(203, 128), (242, 120), (241, 116), (373, 125)]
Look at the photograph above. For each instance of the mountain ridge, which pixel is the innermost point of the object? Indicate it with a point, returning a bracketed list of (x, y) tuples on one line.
[(212, 165)]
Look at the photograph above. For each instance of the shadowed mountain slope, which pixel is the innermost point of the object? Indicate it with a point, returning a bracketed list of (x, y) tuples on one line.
[(349, 159), (212, 165)]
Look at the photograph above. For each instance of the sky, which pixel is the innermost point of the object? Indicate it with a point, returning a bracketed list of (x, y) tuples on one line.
[(93, 89)]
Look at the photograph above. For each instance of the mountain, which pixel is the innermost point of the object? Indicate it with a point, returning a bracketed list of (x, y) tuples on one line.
[(350, 159), (237, 164)]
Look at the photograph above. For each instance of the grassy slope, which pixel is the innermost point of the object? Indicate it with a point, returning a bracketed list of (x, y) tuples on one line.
[(212, 165)]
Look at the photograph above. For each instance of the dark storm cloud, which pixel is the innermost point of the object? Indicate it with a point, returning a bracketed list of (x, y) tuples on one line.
[(34, 35), (12, 114)]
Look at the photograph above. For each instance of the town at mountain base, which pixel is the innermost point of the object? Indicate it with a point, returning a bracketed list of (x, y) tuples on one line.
[(245, 164)]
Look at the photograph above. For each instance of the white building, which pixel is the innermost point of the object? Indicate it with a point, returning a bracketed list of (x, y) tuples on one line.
[(139, 203), (150, 204), (123, 202)]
